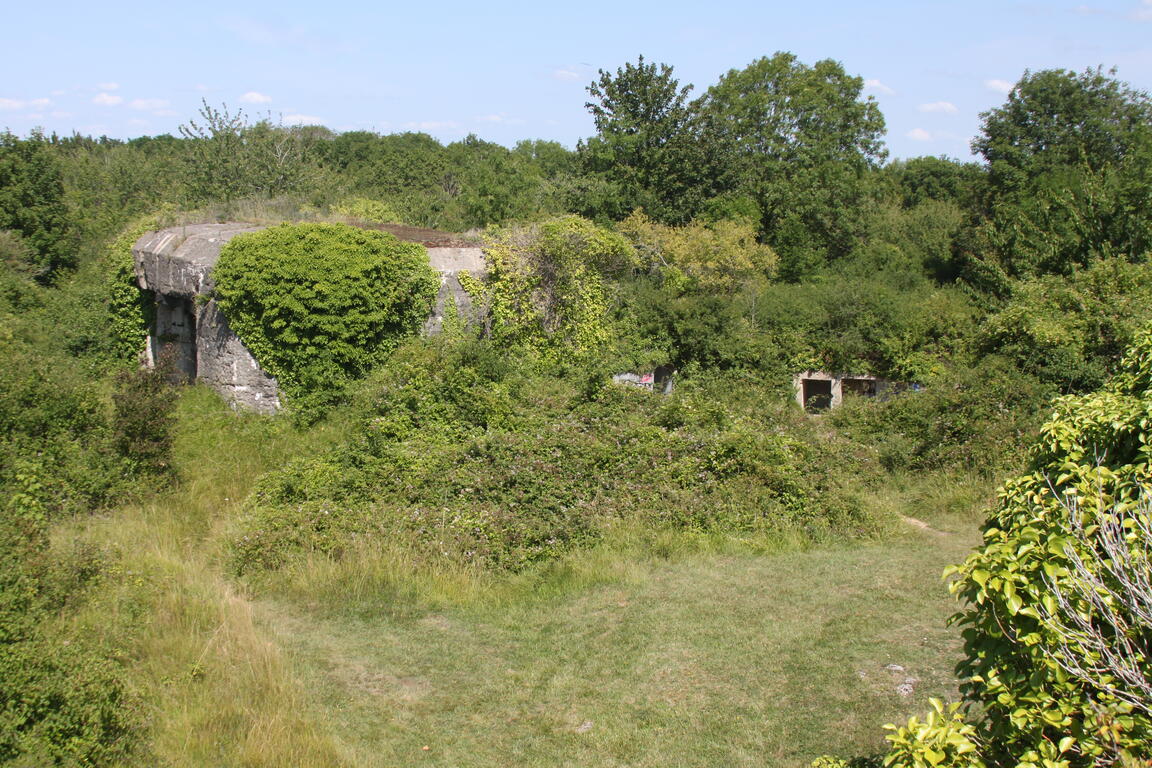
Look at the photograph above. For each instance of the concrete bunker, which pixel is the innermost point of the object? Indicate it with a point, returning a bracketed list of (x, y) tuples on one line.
[(175, 266), (818, 391)]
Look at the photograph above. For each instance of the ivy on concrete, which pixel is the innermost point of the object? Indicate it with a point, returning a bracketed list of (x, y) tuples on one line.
[(320, 304)]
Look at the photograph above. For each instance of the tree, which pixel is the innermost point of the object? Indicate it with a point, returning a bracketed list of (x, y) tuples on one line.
[(32, 201), (229, 159), (649, 147), (1069, 161), (802, 140), (215, 167)]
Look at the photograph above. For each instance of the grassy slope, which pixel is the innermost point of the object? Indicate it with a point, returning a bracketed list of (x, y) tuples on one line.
[(615, 657), (701, 660)]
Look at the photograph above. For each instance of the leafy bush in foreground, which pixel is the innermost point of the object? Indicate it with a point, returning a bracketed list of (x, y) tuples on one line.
[(1023, 589)]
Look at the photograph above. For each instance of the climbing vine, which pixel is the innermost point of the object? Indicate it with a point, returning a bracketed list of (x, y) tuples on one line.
[(547, 291), (320, 304)]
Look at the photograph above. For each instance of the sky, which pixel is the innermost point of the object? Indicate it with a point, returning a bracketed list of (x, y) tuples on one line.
[(510, 71)]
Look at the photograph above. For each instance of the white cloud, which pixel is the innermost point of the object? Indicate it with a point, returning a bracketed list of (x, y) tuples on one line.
[(255, 97), (150, 105), (879, 87), (107, 99), (57, 92), (298, 119), (166, 113), (24, 103), (919, 134), (108, 86), (939, 106), (1144, 12), (1000, 86), (566, 74), (60, 114)]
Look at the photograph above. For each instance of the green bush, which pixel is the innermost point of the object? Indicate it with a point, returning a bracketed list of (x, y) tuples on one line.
[(475, 458), (1071, 332), (62, 701), (320, 304), (1038, 694), (976, 418), (548, 288)]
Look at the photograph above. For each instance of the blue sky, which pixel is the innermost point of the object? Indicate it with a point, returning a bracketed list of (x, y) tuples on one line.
[(508, 71)]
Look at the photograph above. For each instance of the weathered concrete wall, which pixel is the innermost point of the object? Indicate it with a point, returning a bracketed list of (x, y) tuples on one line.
[(176, 264), (450, 262), (225, 364)]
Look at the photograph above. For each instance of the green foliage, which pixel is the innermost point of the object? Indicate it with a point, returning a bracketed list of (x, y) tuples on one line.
[(1070, 332), (649, 151), (939, 179), (942, 740), (143, 417), (131, 309), (1092, 449), (470, 456), (320, 304), (371, 211), (227, 158), (1068, 157), (802, 139), (32, 202), (62, 702), (977, 418), (721, 256), (548, 289)]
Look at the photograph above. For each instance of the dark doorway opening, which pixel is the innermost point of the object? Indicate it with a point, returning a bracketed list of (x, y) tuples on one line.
[(174, 340), (817, 394)]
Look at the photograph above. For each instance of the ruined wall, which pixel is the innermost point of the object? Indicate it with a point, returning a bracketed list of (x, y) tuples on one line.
[(450, 262), (176, 264)]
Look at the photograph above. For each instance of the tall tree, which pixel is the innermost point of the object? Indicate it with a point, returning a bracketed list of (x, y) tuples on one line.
[(32, 201), (1070, 176), (802, 139), (648, 149)]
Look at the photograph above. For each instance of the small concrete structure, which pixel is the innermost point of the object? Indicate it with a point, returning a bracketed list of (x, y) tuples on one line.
[(660, 380), (819, 391), (175, 265)]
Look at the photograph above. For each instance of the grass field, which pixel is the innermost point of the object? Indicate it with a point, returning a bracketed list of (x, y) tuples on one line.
[(666, 651)]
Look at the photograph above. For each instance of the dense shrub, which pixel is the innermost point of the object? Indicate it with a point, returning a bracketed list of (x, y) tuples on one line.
[(548, 288), (1071, 332), (320, 304), (976, 418), (62, 701), (1089, 472), (143, 416), (474, 458)]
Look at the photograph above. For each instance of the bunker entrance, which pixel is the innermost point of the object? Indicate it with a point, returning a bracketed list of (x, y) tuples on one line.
[(859, 387), (174, 340), (817, 394)]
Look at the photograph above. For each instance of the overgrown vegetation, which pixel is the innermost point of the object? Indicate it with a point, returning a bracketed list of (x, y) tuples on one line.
[(158, 551), (320, 304)]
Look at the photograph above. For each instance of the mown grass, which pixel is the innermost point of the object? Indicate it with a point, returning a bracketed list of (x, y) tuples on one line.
[(651, 648), (703, 658)]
